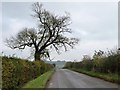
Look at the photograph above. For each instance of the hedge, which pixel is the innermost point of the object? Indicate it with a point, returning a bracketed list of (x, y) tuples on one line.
[(16, 72), (104, 63)]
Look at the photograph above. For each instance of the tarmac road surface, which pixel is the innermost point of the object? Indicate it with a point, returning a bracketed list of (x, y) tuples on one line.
[(64, 78)]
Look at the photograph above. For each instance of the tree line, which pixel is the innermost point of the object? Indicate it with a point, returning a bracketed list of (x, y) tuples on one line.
[(103, 62)]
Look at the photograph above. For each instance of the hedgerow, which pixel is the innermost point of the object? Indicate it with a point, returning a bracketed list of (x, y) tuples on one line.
[(16, 72), (104, 65), (104, 62)]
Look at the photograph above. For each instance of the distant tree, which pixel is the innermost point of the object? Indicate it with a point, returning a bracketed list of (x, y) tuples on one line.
[(49, 33), (98, 54), (86, 57)]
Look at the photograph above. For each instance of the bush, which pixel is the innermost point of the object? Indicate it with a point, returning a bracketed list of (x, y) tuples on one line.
[(17, 72), (102, 62)]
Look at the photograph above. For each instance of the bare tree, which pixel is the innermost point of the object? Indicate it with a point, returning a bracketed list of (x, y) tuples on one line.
[(50, 33)]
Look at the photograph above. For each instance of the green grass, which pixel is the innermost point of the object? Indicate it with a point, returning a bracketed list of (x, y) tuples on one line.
[(39, 82), (108, 77)]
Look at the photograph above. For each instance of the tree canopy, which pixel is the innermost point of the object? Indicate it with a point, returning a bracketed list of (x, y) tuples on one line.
[(50, 33)]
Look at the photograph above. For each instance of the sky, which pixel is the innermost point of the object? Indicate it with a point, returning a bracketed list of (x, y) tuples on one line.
[(94, 23)]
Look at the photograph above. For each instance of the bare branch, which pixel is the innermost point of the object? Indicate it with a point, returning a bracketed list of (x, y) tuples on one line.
[(50, 32)]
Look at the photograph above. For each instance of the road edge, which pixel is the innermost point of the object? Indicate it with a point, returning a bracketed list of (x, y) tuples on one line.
[(49, 79), (95, 77)]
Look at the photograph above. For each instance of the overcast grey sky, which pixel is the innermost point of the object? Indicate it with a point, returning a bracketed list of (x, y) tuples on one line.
[(94, 23)]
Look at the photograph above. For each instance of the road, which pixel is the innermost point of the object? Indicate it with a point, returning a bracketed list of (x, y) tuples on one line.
[(64, 78)]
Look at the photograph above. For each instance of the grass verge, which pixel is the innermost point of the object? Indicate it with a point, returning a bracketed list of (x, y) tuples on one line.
[(108, 77), (39, 82)]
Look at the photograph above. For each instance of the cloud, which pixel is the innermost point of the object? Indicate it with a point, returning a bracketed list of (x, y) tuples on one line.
[(14, 25), (95, 24), (85, 48)]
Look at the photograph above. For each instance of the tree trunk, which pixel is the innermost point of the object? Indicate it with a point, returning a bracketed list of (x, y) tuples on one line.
[(37, 56)]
